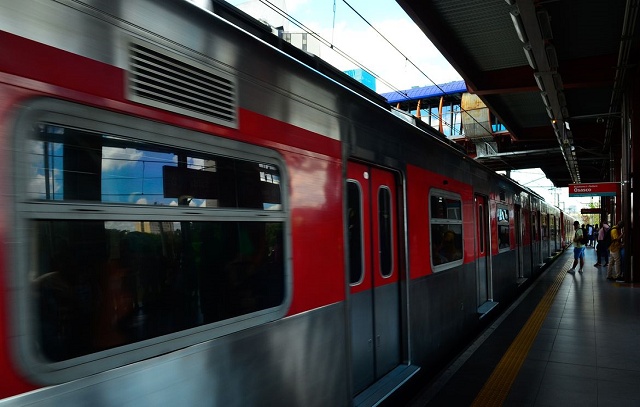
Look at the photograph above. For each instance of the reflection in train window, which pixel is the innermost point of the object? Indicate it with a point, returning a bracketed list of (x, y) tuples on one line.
[(75, 165), (124, 249), (502, 217), (446, 230), (101, 284)]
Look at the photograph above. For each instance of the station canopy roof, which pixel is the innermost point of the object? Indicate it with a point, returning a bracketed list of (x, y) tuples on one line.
[(553, 72)]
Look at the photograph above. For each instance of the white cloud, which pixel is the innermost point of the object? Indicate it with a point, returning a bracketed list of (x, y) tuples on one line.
[(36, 186), (116, 158), (196, 163)]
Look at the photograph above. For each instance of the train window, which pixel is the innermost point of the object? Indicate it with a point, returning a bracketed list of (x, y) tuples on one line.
[(502, 217), (385, 232), (101, 284), (141, 239), (354, 223), (446, 229)]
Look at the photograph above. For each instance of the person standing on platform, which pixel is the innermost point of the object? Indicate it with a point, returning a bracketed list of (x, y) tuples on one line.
[(589, 230), (613, 272), (578, 248), (603, 244)]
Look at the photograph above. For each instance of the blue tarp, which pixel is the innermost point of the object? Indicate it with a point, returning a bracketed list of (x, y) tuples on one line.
[(425, 92)]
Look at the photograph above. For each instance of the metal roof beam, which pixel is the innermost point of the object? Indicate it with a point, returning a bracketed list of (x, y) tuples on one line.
[(542, 57)]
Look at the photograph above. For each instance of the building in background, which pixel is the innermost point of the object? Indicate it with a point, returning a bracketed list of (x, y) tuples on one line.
[(363, 77)]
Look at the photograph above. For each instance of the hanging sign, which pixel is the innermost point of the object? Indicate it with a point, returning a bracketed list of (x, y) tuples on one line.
[(595, 189)]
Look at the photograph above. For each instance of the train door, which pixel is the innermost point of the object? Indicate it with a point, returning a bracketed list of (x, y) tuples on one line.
[(482, 250), (373, 273), (544, 236), (553, 235), (519, 242), (535, 238)]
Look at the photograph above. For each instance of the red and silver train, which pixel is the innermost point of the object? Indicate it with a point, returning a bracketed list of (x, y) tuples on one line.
[(196, 213)]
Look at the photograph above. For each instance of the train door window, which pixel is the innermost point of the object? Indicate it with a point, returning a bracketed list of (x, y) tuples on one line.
[(502, 217), (445, 216), (481, 226), (354, 224), (171, 237), (385, 232)]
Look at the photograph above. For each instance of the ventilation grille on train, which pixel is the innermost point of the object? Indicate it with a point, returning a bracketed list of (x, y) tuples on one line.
[(180, 85)]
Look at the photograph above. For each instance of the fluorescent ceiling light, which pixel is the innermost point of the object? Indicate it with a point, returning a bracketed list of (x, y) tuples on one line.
[(538, 77), (528, 52), (545, 99), (517, 23)]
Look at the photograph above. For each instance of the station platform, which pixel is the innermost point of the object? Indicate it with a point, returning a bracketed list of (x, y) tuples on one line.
[(569, 340)]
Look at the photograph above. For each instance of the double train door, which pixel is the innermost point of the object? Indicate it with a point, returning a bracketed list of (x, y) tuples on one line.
[(373, 273)]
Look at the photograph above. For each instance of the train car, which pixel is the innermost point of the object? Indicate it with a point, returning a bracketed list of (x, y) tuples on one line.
[(196, 213)]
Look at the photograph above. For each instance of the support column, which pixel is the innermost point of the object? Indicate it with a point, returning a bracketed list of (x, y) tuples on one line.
[(633, 232)]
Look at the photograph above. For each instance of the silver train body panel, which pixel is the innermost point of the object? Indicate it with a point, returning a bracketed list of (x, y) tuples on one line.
[(226, 372)]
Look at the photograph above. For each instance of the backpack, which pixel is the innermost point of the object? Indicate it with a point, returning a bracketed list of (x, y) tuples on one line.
[(584, 239)]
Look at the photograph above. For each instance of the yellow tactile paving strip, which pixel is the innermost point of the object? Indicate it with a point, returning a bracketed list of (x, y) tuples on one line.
[(495, 390)]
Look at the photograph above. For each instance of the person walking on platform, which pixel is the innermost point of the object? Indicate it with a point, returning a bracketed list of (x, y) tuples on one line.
[(614, 270), (604, 239), (578, 248), (589, 234)]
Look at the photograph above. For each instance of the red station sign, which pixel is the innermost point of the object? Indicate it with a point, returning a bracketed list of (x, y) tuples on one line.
[(595, 189)]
